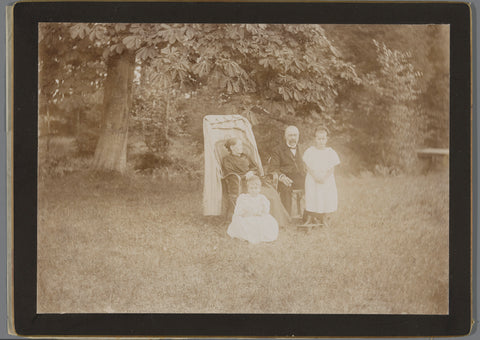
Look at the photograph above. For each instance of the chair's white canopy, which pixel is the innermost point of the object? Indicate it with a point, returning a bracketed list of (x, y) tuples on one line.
[(216, 130)]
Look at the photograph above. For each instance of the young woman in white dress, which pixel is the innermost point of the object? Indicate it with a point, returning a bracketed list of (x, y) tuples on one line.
[(320, 188), (251, 219)]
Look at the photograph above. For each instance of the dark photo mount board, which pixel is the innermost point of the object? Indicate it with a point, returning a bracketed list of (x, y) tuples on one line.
[(26, 321)]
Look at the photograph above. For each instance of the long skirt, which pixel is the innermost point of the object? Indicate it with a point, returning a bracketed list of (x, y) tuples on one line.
[(277, 210), (254, 229)]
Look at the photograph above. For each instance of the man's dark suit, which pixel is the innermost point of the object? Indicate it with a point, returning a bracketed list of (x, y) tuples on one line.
[(284, 162)]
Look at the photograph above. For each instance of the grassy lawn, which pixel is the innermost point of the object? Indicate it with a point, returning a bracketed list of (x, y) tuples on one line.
[(137, 244)]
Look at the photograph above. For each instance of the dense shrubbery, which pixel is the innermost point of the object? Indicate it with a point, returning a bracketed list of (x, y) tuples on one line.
[(149, 162), (85, 144)]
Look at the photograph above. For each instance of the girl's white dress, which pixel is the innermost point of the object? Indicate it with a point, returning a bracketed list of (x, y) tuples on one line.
[(320, 197), (251, 220)]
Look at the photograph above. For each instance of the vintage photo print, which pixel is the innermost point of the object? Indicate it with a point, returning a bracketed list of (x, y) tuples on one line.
[(207, 169), (149, 136)]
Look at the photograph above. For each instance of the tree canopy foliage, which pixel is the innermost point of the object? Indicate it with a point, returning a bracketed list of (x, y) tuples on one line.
[(381, 90)]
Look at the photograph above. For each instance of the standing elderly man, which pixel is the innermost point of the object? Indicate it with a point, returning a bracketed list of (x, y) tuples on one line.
[(286, 161)]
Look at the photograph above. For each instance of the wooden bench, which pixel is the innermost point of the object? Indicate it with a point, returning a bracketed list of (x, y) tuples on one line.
[(433, 157)]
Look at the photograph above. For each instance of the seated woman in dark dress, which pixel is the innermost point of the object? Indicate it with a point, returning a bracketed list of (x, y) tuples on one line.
[(239, 163)]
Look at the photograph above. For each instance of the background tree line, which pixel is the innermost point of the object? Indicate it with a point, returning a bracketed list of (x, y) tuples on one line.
[(134, 95)]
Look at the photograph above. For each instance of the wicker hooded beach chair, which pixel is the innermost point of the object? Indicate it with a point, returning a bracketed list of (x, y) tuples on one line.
[(217, 129)]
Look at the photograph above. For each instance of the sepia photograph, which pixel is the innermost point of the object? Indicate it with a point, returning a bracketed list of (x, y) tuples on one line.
[(243, 168)]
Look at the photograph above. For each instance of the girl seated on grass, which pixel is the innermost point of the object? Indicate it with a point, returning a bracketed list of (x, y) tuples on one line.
[(251, 219), (320, 187)]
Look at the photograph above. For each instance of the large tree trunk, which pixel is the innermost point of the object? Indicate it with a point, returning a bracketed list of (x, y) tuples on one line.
[(111, 151)]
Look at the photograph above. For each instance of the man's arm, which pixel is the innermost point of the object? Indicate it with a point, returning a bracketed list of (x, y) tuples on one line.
[(275, 162), (274, 165)]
